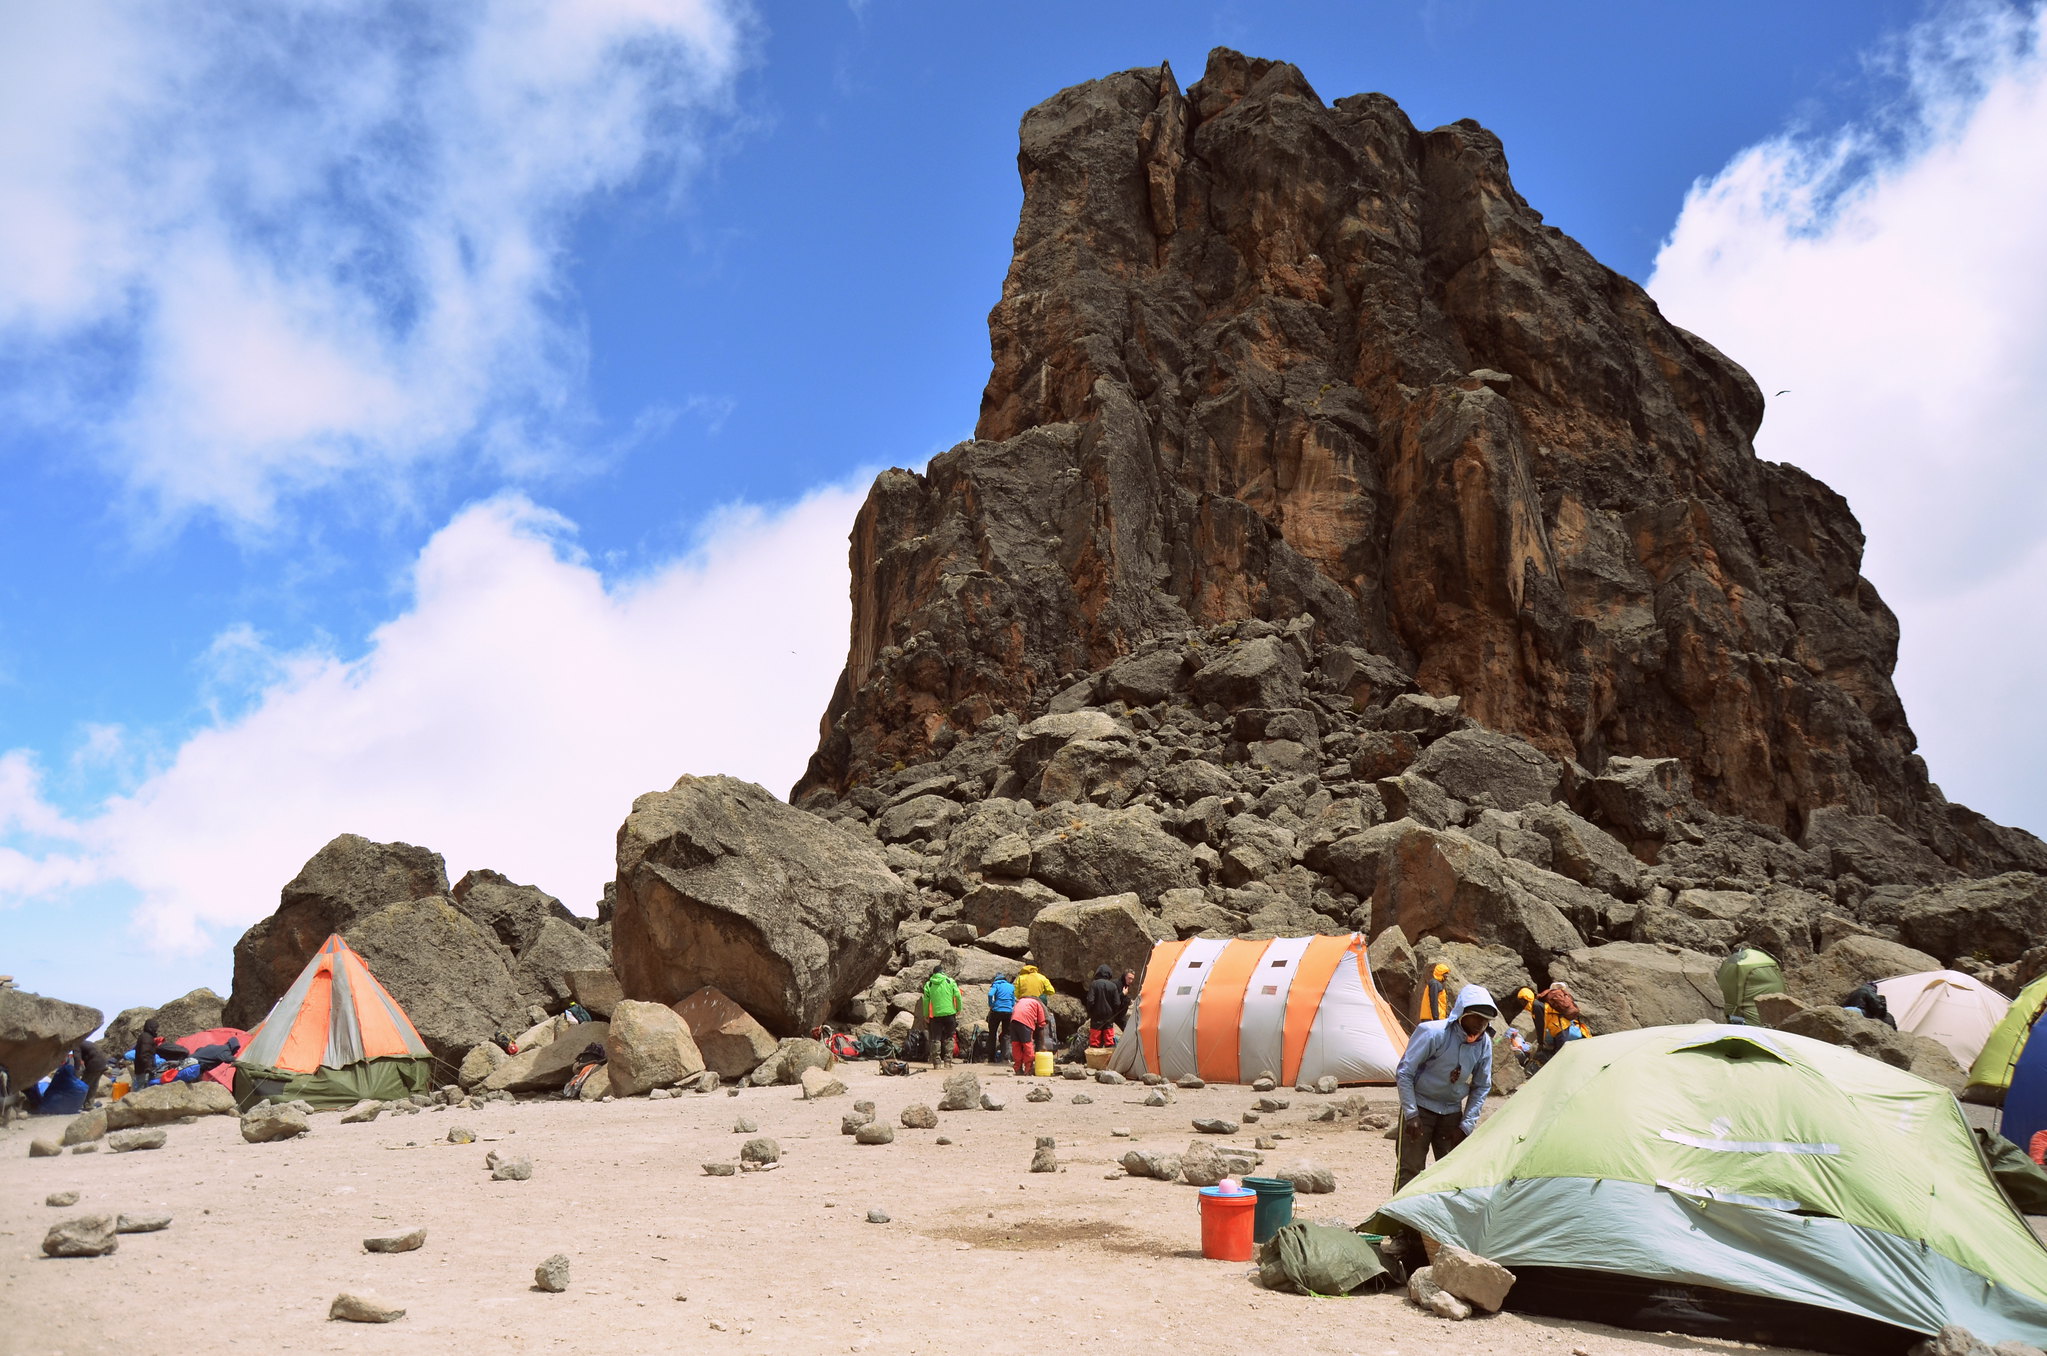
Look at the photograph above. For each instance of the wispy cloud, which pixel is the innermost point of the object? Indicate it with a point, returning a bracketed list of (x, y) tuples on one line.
[(257, 248), (1888, 277)]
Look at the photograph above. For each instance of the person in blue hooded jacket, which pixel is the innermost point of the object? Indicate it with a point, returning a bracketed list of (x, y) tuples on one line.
[(1001, 1002), (1443, 1079)]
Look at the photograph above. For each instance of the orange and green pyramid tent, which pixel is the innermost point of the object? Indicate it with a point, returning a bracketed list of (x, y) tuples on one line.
[(335, 1038)]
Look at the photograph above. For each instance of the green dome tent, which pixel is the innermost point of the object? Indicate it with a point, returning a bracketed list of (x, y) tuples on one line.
[(1745, 1163), (1746, 975), (1990, 1075)]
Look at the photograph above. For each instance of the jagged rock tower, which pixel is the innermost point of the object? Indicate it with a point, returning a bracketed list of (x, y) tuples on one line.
[(1259, 357)]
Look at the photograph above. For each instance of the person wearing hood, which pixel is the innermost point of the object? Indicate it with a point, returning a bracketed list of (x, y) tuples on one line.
[(1001, 1002), (1434, 1002), (1104, 997), (1024, 1023), (1443, 1079), (1031, 983), (211, 1057), (941, 1015), (149, 1047)]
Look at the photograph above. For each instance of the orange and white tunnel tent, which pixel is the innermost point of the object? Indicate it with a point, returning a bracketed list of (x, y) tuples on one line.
[(1227, 1011)]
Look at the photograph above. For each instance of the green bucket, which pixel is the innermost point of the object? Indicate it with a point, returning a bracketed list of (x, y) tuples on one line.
[(1275, 1206)]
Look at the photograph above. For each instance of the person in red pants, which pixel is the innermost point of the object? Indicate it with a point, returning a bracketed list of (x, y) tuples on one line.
[(1024, 1020), (1104, 997)]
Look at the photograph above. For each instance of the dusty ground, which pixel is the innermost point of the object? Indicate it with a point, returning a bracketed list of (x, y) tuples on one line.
[(980, 1255)]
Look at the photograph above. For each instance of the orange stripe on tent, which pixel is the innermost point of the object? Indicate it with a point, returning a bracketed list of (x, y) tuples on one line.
[(305, 1040), (1153, 997), (379, 1034), (1304, 999), (1394, 1031), (1220, 1018)]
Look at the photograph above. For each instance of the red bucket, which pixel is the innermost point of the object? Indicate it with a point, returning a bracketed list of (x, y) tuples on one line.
[(1226, 1220)]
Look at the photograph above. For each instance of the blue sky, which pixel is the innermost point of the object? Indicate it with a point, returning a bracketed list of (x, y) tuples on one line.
[(447, 427)]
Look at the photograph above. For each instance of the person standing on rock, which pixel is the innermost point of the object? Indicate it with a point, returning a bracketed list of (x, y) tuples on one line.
[(1443, 1079), (1001, 1002), (941, 1015), (1104, 996), (1024, 1021)]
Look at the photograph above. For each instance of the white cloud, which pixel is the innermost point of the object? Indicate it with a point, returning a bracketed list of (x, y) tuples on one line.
[(506, 718), (251, 249), (1890, 276)]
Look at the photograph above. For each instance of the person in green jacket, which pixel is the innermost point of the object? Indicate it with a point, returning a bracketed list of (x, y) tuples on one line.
[(941, 1015)]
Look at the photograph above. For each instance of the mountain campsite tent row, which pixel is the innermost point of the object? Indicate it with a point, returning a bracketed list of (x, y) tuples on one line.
[(1777, 1183), (1228, 1010), (335, 1038)]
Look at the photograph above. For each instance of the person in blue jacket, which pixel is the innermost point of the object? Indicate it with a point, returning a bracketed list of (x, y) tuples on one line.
[(1001, 1002), (1443, 1079)]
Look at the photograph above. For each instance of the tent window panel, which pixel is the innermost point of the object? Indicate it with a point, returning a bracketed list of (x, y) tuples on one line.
[(1193, 965), (1183, 990), (1270, 988), (1279, 964)]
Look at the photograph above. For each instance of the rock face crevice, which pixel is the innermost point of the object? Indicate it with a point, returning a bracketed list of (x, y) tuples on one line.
[(1260, 357)]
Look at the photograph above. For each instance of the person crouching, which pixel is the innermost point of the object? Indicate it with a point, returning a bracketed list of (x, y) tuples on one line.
[(1024, 1020)]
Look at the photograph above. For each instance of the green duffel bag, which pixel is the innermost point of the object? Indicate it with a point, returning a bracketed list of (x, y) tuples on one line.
[(1317, 1260)]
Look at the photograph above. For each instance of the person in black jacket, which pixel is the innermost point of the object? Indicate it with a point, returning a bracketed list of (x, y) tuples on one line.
[(1104, 996)]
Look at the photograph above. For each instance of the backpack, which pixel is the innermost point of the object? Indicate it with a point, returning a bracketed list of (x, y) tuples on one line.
[(914, 1045), (579, 1014), (895, 1068), (875, 1047), (842, 1045)]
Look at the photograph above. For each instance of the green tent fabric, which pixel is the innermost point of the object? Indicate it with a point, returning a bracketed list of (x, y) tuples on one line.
[(1745, 1160), (383, 1080), (2023, 1180), (1317, 1260), (1990, 1075), (1746, 975)]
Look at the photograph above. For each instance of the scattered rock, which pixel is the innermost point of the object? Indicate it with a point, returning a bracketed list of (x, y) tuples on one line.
[(721, 1169), (818, 1083), (85, 1236), (1265, 1142), (962, 1092), (362, 1112), (1326, 1084), (409, 1242), (761, 1150), (851, 1122), (1202, 1166), (1038, 1093), (745, 1126), (349, 1308), (1263, 1083), (552, 1275), (1309, 1179), (76, 1148), (1082, 1099), (1273, 1103), (647, 1046), (269, 1122), (1212, 1125), (126, 1141), (60, 1199), (461, 1134), (1046, 1156), (1150, 1163), (992, 1100), (1252, 1116), (917, 1116), (1156, 1097), (1191, 1083), (1109, 1078), (86, 1127), (512, 1170), (875, 1132), (1119, 1132), (876, 1217), (1476, 1280), (142, 1224), (1423, 1290)]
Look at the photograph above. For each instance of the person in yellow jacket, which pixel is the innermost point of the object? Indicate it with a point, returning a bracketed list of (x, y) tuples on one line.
[(1434, 1004), (1031, 983)]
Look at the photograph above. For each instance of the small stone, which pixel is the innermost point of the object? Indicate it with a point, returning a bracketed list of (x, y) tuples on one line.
[(1478, 1281), (85, 1236), (867, 1107), (876, 1217), (1262, 1085), (127, 1141), (819, 1083), (760, 1151), (362, 1309), (1109, 1077), (1119, 1132), (1251, 1117), (917, 1116), (1327, 1113), (1310, 1179), (1192, 1084), (992, 1101), (76, 1148), (61, 1199), (1046, 1157), (1302, 1087), (268, 1123), (1423, 1290), (745, 1126), (1039, 1093), (396, 1242), (1265, 1142), (875, 1132), (1326, 1084), (721, 1169), (1156, 1097), (512, 1170), (552, 1275), (850, 1124), (660, 1094), (1272, 1103), (1075, 1072), (1210, 1125), (86, 1127), (943, 1139), (141, 1224), (1152, 1080), (363, 1111), (461, 1134), (962, 1092), (1082, 1099), (1376, 1121)]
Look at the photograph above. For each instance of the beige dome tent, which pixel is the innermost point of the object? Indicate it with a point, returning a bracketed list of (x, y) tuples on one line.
[(1227, 1011), (1948, 1007)]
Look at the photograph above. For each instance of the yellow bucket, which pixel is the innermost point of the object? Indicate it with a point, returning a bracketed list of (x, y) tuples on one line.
[(1043, 1064)]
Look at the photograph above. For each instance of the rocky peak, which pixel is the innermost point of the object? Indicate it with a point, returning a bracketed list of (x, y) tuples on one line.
[(1261, 357)]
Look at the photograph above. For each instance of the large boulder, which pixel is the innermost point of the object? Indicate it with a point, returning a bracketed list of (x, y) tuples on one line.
[(1848, 962), (449, 975), (349, 879), (1998, 918), (1068, 941), (556, 951), (199, 1010), (1259, 673), (169, 1103), (1871, 848), (1585, 852), (1642, 799), (35, 1033), (1623, 985), (511, 912), (1006, 904), (728, 1038), (1480, 765), (480, 1063), (119, 1037), (720, 883), (1441, 883), (544, 1068), (1088, 852), (646, 1047)]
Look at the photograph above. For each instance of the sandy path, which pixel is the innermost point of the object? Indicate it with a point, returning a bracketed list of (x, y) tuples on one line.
[(980, 1255)]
